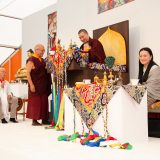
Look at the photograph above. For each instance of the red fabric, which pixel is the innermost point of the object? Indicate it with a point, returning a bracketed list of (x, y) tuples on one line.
[(38, 100), (111, 138), (38, 108), (90, 137), (40, 78)]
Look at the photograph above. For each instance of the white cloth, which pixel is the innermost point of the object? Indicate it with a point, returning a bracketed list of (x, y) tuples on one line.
[(4, 105)]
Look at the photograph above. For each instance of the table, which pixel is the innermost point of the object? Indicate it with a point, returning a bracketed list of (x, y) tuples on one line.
[(127, 119)]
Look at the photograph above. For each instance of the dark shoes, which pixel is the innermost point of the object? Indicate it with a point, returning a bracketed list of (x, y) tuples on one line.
[(13, 120), (36, 123), (4, 121), (46, 122)]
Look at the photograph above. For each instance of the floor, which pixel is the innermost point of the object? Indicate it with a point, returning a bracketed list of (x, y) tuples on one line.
[(23, 141)]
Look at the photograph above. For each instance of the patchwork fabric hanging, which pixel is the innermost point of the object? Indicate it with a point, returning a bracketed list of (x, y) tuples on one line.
[(90, 100)]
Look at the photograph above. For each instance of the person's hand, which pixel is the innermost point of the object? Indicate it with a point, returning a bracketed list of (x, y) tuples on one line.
[(83, 51), (32, 88)]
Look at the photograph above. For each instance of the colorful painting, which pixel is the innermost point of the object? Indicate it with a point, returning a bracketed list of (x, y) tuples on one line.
[(52, 31), (104, 5), (115, 41)]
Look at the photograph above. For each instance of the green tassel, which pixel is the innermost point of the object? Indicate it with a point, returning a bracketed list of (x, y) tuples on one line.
[(63, 138), (74, 136), (129, 147)]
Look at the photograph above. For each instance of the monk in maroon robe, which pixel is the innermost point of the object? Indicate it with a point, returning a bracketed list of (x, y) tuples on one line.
[(96, 51), (39, 87)]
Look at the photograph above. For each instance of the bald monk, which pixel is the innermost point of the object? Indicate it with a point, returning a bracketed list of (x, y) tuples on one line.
[(39, 82), (96, 52)]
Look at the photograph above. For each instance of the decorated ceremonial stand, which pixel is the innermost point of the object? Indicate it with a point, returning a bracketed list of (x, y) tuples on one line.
[(75, 73)]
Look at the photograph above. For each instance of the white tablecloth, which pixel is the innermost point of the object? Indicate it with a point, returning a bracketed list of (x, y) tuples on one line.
[(19, 89)]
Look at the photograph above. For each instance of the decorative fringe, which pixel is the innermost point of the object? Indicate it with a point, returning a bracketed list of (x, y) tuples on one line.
[(93, 139)]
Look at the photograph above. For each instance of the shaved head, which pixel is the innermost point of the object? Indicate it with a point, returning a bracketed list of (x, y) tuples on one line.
[(39, 49), (38, 46), (83, 35)]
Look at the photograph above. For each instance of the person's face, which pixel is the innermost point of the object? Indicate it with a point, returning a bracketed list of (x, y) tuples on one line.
[(2, 73), (145, 57), (40, 51), (84, 37), (49, 21), (29, 54)]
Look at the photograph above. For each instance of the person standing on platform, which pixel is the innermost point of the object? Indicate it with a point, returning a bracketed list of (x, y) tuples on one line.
[(96, 51), (39, 87), (7, 98)]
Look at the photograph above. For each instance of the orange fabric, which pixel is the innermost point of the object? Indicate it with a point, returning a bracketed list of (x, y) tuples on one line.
[(14, 64), (37, 56), (6, 66)]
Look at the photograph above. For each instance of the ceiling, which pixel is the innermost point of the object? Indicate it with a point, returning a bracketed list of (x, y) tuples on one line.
[(12, 12), (23, 8)]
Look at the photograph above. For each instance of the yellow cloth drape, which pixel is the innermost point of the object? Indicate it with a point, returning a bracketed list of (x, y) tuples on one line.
[(59, 125), (114, 45)]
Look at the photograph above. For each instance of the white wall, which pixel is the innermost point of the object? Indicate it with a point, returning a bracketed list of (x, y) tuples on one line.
[(35, 30), (72, 16), (69, 21), (144, 24), (143, 16)]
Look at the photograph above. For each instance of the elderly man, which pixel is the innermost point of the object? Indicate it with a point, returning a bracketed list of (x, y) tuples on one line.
[(96, 52), (39, 82), (6, 98)]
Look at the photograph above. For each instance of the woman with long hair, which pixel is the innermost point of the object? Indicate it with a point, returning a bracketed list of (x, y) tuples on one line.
[(149, 75)]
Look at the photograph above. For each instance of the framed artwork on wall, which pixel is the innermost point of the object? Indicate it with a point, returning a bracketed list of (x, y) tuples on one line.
[(115, 41), (52, 31), (104, 5)]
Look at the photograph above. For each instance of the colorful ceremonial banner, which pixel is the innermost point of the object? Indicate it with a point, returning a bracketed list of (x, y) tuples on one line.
[(90, 100), (104, 5), (52, 31)]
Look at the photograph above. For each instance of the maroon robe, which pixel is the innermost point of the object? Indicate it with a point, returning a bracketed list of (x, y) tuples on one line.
[(38, 100), (96, 53)]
